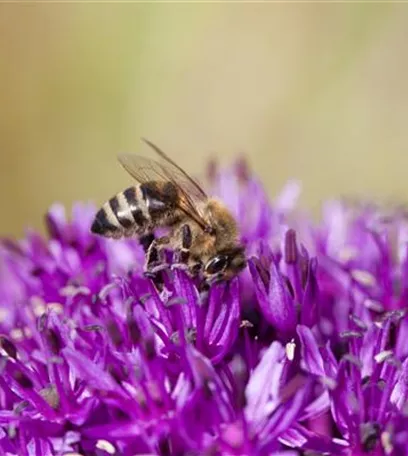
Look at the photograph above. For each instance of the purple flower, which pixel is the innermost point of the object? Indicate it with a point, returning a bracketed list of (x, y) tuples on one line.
[(303, 353), (367, 387), (285, 285)]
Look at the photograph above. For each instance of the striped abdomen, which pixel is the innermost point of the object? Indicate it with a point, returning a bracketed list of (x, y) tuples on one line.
[(136, 211), (122, 215)]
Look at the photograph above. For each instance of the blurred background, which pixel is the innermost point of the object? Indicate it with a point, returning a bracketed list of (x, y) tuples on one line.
[(316, 92)]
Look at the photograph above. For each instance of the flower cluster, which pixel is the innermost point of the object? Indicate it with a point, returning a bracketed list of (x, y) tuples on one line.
[(304, 353)]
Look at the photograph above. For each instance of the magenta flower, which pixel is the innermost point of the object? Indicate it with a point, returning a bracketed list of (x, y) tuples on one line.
[(303, 353)]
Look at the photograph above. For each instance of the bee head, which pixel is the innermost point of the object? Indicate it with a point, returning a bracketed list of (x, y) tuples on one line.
[(225, 265)]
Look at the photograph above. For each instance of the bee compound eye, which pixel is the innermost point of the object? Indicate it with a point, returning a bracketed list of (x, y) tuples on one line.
[(217, 264)]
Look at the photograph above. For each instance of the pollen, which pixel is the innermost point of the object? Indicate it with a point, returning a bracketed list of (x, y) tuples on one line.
[(104, 445), (56, 307), (347, 253), (290, 350), (363, 277), (382, 356), (38, 306), (386, 442), (17, 334)]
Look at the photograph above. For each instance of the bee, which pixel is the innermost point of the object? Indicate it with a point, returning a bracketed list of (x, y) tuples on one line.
[(201, 230)]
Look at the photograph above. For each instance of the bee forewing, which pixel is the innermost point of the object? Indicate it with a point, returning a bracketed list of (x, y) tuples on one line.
[(146, 170)]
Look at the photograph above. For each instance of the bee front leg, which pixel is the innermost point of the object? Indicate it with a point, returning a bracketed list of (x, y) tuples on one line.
[(196, 268)]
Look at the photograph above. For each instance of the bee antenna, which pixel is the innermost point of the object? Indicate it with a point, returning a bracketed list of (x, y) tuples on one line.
[(145, 140), (153, 146)]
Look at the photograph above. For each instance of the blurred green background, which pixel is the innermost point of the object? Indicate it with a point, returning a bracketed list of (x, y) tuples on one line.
[(312, 91)]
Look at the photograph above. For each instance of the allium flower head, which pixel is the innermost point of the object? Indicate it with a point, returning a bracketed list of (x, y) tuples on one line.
[(303, 353)]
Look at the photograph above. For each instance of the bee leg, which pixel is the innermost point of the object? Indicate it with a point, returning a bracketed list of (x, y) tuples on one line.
[(217, 279), (196, 268), (183, 254), (146, 241), (154, 260), (186, 240)]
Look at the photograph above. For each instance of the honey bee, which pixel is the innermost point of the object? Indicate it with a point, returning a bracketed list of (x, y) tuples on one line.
[(201, 230)]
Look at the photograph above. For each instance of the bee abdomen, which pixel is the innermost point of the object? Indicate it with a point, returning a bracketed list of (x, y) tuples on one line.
[(105, 224), (160, 199), (134, 203), (121, 216)]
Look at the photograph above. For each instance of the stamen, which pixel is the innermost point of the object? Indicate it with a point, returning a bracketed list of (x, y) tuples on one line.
[(358, 322), (38, 306), (56, 307), (374, 305), (22, 379), (133, 330), (386, 442), (363, 277), (17, 334), (115, 334), (50, 394), (53, 340), (246, 324), (291, 252), (149, 348), (382, 356), (290, 350), (351, 335), (72, 291), (92, 328), (347, 253), (369, 435), (8, 347), (179, 300), (106, 446)]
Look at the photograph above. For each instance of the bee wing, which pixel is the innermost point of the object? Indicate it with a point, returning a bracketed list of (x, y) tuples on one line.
[(190, 185), (145, 170)]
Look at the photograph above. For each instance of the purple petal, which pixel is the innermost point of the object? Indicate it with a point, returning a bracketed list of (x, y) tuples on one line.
[(262, 392), (310, 354), (400, 392), (276, 303), (310, 296), (94, 374), (287, 413), (301, 437)]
